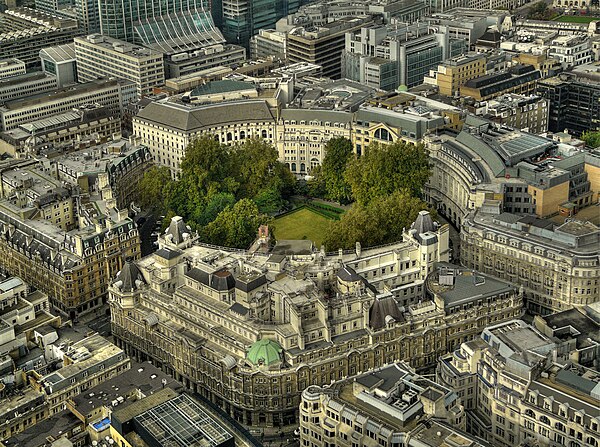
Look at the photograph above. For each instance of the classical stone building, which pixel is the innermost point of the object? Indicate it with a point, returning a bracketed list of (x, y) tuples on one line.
[(61, 238), (519, 387), (390, 406), (516, 171), (251, 331), (167, 128), (557, 265)]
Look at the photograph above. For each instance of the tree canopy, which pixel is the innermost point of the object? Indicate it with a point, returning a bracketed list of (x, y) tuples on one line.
[(217, 183), (591, 138), (155, 187), (381, 221), (338, 152), (540, 11), (386, 169)]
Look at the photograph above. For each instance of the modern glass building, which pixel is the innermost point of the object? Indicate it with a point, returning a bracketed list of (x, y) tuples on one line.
[(243, 19), (170, 26)]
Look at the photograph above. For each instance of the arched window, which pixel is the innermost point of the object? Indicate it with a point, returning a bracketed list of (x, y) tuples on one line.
[(544, 420), (529, 413), (293, 167), (560, 426), (229, 136), (242, 134), (264, 134), (574, 444), (383, 134), (302, 167), (288, 165), (592, 441)]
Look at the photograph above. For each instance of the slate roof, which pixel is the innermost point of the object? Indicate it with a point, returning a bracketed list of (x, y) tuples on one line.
[(167, 253), (348, 274), (219, 280), (380, 309), (177, 228), (193, 119), (130, 277), (248, 286)]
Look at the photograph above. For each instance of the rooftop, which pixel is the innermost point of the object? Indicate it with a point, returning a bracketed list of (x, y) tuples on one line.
[(122, 389)]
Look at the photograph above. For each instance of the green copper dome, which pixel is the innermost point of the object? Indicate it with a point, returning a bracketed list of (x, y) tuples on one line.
[(264, 352)]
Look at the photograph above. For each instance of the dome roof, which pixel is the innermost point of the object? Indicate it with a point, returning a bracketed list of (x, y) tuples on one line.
[(264, 352)]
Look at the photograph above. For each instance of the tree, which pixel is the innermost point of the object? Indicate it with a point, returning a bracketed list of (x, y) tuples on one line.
[(268, 201), (338, 152), (256, 167), (154, 187), (591, 138), (539, 11), (385, 169), (380, 222), (216, 203), (235, 226)]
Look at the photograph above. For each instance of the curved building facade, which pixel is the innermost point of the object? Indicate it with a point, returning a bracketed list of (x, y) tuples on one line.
[(170, 26)]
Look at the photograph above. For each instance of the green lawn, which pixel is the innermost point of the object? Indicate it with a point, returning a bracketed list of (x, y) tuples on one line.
[(575, 19), (302, 224)]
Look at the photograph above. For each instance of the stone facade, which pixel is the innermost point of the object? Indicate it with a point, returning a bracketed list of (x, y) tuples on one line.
[(251, 331), (519, 388), (558, 266)]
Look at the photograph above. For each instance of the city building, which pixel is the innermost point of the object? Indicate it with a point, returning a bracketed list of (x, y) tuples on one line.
[(86, 363), (571, 50), (62, 238), (26, 85), (168, 418), (167, 128), (455, 72), (11, 67), (408, 122), (60, 61), (520, 79), (151, 23), (526, 113), (519, 387), (268, 43), (257, 330), (104, 57), (391, 405), (25, 31), (485, 164), (204, 58), (557, 265), (574, 100), (316, 115), (243, 19), (78, 128), (323, 45), (399, 54), (88, 16), (470, 24), (112, 93)]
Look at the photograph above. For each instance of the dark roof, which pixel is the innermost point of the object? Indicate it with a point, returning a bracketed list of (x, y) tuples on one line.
[(219, 280), (191, 119), (423, 223), (130, 277), (177, 228), (238, 309), (166, 253), (36, 435), (380, 309), (248, 286), (348, 274)]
